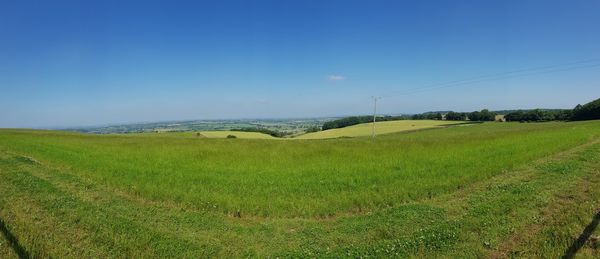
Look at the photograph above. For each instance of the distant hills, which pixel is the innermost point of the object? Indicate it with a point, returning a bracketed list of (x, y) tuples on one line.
[(280, 125), (588, 111)]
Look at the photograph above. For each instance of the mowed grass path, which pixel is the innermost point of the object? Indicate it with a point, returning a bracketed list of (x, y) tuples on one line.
[(477, 191), (384, 127)]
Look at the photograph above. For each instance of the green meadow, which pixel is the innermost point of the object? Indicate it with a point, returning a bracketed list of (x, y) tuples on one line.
[(482, 190)]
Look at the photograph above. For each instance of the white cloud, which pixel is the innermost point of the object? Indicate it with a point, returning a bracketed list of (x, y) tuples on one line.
[(335, 77)]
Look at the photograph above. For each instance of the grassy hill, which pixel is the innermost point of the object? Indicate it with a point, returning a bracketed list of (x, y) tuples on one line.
[(491, 189), (384, 127)]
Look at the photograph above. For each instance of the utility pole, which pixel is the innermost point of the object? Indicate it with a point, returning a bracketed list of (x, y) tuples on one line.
[(374, 114)]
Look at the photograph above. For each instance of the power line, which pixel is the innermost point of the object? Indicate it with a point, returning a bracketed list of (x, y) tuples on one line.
[(500, 78), (589, 63), (503, 75)]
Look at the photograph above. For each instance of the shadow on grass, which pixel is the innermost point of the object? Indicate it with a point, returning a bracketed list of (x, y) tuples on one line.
[(585, 235), (14, 243)]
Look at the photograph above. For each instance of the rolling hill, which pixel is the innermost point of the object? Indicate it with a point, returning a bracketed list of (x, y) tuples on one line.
[(487, 190), (384, 127)]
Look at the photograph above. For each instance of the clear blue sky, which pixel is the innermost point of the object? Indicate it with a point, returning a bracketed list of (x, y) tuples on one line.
[(71, 63)]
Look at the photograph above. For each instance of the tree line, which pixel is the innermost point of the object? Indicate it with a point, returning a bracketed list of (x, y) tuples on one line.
[(483, 115), (274, 133), (353, 120), (588, 111), (538, 115)]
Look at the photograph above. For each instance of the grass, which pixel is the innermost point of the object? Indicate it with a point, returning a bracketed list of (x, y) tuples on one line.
[(298, 178), (360, 130), (384, 127), (451, 192), (237, 134), (5, 248), (200, 134)]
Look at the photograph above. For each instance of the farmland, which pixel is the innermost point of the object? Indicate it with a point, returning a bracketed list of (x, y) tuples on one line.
[(385, 127), (360, 130), (491, 189), (283, 125), (237, 134)]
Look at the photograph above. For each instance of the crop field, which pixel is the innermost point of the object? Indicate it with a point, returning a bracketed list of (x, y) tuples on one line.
[(384, 127), (360, 130), (486, 190)]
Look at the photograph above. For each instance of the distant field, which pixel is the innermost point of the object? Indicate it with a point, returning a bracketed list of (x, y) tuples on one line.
[(198, 134), (384, 127), (284, 125), (360, 130), (486, 190), (237, 134)]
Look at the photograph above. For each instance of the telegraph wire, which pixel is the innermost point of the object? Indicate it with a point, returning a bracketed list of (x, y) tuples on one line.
[(500, 76)]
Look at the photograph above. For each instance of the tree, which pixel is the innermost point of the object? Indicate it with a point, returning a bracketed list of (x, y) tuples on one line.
[(345, 122), (418, 117), (563, 115), (588, 111), (349, 121), (313, 129), (456, 116), (483, 115), (433, 116), (538, 115), (274, 133), (534, 115), (514, 116)]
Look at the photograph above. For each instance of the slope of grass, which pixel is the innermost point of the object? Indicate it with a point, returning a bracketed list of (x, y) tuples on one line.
[(299, 178), (384, 127), (453, 192)]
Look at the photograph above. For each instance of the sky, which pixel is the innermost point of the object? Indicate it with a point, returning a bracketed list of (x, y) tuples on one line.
[(83, 63)]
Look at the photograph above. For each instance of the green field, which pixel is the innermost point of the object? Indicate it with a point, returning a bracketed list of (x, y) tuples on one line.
[(486, 190), (360, 130), (237, 134), (384, 127), (199, 134)]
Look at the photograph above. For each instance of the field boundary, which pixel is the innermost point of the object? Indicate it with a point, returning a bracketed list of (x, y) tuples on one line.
[(385, 134)]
